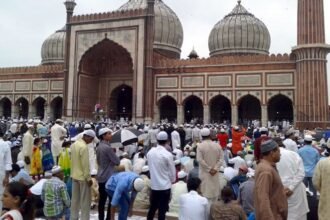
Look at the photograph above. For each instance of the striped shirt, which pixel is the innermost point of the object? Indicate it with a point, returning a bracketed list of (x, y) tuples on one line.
[(55, 197)]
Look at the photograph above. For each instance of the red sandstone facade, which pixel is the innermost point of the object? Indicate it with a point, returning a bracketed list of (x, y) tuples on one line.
[(110, 58)]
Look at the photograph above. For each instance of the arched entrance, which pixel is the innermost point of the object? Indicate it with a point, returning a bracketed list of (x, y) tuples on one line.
[(220, 109), (22, 107), (5, 108), (121, 103), (167, 109), (280, 108), (102, 65), (56, 106), (39, 107), (193, 110), (249, 109)]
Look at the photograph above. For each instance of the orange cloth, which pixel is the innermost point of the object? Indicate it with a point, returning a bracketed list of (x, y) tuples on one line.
[(236, 140)]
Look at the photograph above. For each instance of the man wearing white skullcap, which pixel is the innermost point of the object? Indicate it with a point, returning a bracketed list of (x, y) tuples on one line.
[(162, 172), (178, 189), (81, 178), (123, 187), (142, 200), (210, 158), (58, 133), (55, 196)]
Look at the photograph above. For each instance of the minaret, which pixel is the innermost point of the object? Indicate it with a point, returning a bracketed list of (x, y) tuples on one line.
[(311, 70), (149, 42), (69, 5)]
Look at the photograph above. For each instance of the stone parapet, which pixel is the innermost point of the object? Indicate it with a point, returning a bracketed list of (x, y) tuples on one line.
[(114, 15), (33, 69)]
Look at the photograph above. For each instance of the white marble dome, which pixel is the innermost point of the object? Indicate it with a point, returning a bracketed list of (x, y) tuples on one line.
[(239, 32), (52, 50), (168, 28)]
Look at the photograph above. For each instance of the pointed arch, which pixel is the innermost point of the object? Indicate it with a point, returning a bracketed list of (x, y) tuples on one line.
[(167, 108), (56, 108), (280, 107), (121, 102), (38, 106), (193, 109), (220, 109), (249, 108), (5, 107), (22, 107)]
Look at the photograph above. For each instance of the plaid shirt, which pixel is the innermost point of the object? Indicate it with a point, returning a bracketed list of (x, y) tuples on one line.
[(55, 197)]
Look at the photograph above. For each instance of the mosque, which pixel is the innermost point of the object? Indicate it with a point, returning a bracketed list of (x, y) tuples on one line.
[(127, 62)]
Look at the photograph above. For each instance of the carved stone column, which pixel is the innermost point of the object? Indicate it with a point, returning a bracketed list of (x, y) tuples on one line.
[(206, 114), (264, 115), (180, 115)]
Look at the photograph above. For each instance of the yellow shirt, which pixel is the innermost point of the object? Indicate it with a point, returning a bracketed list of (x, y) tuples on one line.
[(80, 161)]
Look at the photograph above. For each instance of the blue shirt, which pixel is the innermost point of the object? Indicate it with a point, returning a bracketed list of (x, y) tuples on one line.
[(310, 157), (22, 174), (120, 184)]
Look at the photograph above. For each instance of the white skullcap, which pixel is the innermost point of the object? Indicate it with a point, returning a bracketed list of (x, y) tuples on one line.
[(236, 128), (308, 137), (89, 133), (162, 136), (138, 184), (93, 172), (178, 146), (263, 129), (56, 170), (59, 120), (182, 174), (20, 163), (29, 125), (229, 145), (87, 126), (177, 162), (125, 154), (48, 174), (192, 154), (222, 130), (222, 169), (145, 169), (102, 131), (249, 163), (205, 132)]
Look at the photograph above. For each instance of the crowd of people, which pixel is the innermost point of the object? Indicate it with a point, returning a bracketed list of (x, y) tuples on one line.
[(64, 170)]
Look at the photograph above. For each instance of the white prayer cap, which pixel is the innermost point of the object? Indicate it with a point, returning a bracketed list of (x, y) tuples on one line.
[(145, 169), (48, 174), (182, 174), (178, 146), (56, 170), (205, 132), (89, 133), (138, 184), (93, 172), (102, 131), (229, 145), (20, 163), (125, 154), (192, 154), (308, 137), (263, 129), (236, 128), (87, 126), (222, 130), (59, 120), (162, 136), (177, 162)]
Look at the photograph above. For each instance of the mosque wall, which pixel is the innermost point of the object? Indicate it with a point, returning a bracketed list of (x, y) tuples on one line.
[(128, 33)]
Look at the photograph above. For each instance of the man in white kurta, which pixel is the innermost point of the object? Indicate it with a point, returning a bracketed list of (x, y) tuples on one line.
[(210, 157), (177, 190), (27, 143), (58, 133), (175, 139), (321, 180), (292, 173)]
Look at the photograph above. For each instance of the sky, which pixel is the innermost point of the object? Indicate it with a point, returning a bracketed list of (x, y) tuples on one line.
[(25, 24)]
